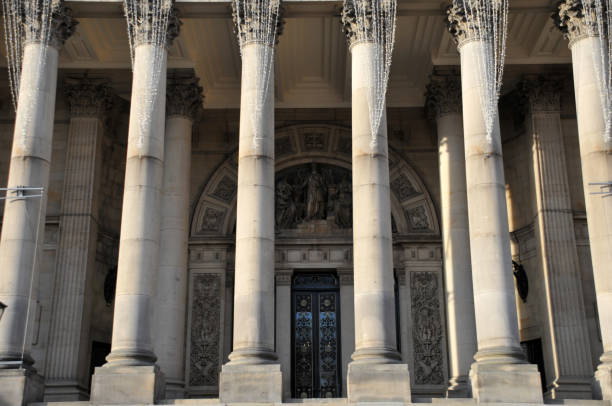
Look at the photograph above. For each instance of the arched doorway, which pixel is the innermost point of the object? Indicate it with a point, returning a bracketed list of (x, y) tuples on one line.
[(313, 235)]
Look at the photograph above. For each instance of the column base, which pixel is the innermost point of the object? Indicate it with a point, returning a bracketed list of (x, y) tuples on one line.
[(378, 382), (21, 386), (602, 384), (509, 383), (175, 388), (261, 383), (113, 385), (459, 387), (575, 387), (65, 390)]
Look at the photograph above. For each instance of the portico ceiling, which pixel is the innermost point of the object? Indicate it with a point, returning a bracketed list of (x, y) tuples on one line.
[(312, 62)]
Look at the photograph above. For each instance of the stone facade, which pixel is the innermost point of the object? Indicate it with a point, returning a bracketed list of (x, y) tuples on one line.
[(418, 326)]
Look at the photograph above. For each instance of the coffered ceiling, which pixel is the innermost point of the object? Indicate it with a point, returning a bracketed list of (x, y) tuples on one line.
[(313, 62)]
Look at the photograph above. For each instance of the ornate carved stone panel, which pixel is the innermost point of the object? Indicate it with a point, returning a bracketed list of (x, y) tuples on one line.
[(225, 190), (402, 188), (427, 329), (204, 338)]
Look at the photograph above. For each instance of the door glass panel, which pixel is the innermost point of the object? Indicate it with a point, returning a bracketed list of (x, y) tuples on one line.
[(316, 353), (304, 368)]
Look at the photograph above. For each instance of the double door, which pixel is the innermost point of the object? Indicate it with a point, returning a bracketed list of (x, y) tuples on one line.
[(316, 336)]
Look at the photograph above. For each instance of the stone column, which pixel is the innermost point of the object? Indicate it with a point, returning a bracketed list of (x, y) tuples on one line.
[(596, 160), (500, 365), (444, 100), (130, 374), (68, 351), (375, 374), (24, 219), (253, 373), (183, 103), (567, 332)]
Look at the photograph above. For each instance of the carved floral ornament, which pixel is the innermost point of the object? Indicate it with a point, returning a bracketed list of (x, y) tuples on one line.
[(88, 98), (184, 97), (443, 95), (248, 27), (142, 26), (571, 21), (540, 94), (62, 26)]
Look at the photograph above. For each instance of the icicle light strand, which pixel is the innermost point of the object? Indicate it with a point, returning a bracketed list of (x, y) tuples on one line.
[(598, 15), (377, 25), (147, 22), (26, 21), (257, 22), (487, 22)]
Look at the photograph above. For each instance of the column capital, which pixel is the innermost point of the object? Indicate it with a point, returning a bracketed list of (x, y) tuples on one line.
[(540, 94), (250, 28), (88, 98), (457, 24), (355, 25), (183, 96), (143, 31), (62, 26), (572, 22), (443, 95)]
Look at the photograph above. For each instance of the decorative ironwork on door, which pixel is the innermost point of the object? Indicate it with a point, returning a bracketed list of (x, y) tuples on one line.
[(316, 336)]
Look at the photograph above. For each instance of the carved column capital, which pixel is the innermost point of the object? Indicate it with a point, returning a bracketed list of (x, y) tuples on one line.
[(571, 21), (249, 29), (88, 98), (457, 24), (143, 30), (443, 95), (540, 94), (183, 97), (356, 26), (62, 25)]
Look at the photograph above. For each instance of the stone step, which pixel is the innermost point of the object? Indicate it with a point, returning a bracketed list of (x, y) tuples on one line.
[(344, 402)]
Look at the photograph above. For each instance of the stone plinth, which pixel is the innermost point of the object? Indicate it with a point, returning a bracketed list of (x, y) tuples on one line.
[(509, 383), (251, 383), (124, 385), (378, 382), (20, 387)]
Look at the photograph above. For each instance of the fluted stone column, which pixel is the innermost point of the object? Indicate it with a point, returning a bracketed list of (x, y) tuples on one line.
[(24, 219), (570, 371), (444, 100), (130, 374), (183, 103), (500, 365), (375, 374), (68, 353), (253, 373), (596, 162)]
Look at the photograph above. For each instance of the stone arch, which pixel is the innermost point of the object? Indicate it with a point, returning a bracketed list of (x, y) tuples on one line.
[(412, 208)]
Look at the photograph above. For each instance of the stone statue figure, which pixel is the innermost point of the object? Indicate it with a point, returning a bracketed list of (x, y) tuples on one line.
[(315, 195), (344, 204), (286, 209)]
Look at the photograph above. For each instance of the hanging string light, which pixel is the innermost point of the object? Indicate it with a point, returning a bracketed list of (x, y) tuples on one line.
[(26, 21), (258, 21), (147, 23), (598, 16), (375, 23), (487, 22)]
